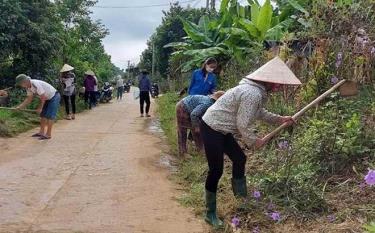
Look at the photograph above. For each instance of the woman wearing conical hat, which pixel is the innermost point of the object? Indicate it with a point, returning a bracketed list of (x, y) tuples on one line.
[(89, 83), (67, 78), (235, 114)]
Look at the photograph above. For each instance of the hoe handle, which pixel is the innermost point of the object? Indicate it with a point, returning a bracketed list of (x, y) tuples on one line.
[(269, 136)]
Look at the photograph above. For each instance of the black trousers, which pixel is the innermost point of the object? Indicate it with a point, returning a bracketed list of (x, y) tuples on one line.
[(144, 97), (216, 144), (70, 101), (90, 98)]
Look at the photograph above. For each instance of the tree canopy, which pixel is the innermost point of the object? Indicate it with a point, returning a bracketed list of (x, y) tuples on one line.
[(38, 36)]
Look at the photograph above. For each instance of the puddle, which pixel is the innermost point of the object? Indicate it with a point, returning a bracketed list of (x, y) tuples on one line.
[(154, 126), (166, 161)]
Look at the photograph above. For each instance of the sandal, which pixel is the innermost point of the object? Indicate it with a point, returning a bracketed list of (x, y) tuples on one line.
[(43, 137), (37, 135)]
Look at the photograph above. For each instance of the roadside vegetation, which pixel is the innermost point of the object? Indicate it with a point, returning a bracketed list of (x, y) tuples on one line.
[(312, 177), (37, 38)]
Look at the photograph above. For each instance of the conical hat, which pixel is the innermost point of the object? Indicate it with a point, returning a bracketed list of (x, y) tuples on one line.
[(90, 72), (66, 68), (275, 71)]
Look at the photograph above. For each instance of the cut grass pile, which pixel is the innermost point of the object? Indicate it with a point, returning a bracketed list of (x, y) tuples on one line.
[(15, 122)]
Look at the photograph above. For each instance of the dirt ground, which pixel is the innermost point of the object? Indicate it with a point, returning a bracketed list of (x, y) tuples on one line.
[(100, 173)]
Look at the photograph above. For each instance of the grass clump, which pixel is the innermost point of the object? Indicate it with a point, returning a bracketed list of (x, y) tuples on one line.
[(313, 180), (15, 122)]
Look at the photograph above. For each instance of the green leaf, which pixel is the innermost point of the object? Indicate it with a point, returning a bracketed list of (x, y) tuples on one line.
[(224, 6), (193, 31), (250, 27), (203, 24), (176, 45), (254, 13), (251, 2), (298, 7), (264, 18)]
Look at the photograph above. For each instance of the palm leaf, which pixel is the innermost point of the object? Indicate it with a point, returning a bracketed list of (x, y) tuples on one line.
[(298, 7), (264, 18), (250, 27)]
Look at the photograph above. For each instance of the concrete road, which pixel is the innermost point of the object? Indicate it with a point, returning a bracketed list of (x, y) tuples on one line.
[(99, 173)]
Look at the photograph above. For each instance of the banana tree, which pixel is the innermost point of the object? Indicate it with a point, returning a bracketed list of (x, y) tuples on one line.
[(203, 40)]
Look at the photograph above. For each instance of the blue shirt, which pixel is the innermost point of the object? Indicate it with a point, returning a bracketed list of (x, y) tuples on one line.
[(197, 105), (144, 84), (201, 86)]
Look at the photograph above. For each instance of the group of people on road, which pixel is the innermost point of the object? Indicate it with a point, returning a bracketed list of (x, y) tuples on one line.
[(216, 119), (50, 97)]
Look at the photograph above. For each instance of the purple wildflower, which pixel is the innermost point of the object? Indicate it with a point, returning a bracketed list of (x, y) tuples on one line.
[(331, 218), (283, 145), (275, 216), (362, 186), (334, 80), (256, 194), (338, 60), (372, 52), (339, 56), (256, 230), (235, 222), (370, 178)]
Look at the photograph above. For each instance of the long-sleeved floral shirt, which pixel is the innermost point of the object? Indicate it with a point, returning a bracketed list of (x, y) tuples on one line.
[(238, 109)]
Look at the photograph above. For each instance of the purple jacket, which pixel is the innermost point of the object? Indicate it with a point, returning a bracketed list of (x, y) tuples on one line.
[(89, 83)]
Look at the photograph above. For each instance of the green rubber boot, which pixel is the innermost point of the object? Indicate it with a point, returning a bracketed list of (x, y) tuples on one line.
[(239, 187), (211, 217)]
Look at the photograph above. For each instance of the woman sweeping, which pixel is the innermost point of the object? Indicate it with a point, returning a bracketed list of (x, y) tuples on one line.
[(67, 78), (203, 81), (235, 114)]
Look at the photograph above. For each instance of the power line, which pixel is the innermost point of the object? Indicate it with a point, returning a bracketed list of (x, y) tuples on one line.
[(140, 6)]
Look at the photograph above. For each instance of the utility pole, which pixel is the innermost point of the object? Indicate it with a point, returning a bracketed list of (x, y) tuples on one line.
[(128, 69), (153, 60), (213, 7)]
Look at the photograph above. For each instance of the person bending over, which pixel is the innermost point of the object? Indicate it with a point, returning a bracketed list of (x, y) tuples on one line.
[(235, 114), (48, 106)]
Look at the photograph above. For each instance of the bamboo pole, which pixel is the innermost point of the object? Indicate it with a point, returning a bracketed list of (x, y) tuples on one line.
[(269, 136)]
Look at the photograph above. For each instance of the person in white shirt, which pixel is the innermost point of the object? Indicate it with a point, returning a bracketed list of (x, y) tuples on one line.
[(120, 87), (48, 106), (67, 78)]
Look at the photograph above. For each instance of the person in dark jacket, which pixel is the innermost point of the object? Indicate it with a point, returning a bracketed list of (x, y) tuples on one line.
[(144, 95), (89, 83)]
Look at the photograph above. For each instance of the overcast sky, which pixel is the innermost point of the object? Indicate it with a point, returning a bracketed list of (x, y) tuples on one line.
[(130, 28)]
